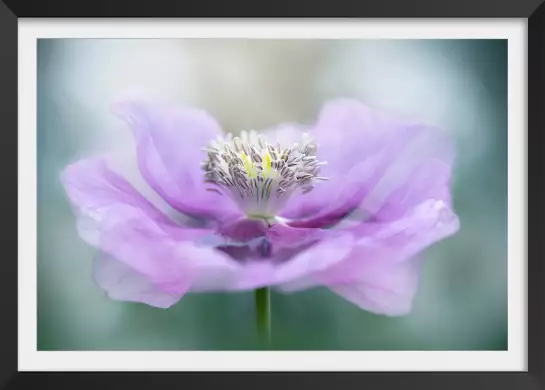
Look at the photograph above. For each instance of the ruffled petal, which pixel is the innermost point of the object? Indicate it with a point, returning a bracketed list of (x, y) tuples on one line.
[(383, 287), (318, 258), (380, 273), (123, 283), (260, 272), (396, 241), (428, 223), (169, 147), (375, 163), (335, 258), (259, 238), (125, 226), (102, 199), (285, 236), (265, 254)]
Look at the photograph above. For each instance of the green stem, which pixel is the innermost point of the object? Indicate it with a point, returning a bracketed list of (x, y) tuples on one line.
[(263, 314)]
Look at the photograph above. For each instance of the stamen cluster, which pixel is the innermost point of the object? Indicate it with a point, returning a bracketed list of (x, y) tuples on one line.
[(258, 176)]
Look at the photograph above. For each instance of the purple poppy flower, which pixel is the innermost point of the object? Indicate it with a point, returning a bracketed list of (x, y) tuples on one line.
[(346, 203)]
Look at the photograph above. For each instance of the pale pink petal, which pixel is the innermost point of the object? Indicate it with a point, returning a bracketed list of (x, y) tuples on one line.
[(123, 283), (101, 199), (124, 225), (379, 164), (318, 258), (383, 287), (235, 276), (380, 273), (396, 241), (169, 141), (260, 238)]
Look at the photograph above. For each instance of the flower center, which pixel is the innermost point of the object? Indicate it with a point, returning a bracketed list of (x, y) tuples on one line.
[(258, 176)]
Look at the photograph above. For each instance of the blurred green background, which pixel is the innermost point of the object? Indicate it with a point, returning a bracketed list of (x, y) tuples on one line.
[(460, 85)]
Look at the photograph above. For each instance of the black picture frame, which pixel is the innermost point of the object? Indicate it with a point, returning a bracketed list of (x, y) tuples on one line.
[(11, 10)]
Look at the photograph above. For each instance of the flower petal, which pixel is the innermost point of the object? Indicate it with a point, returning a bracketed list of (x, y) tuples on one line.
[(380, 273), (384, 287), (332, 204), (257, 238), (169, 147), (428, 223), (318, 258), (374, 163), (123, 283), (285, 236), (261, 272), (396, 241), (124, 225), (102, 199)]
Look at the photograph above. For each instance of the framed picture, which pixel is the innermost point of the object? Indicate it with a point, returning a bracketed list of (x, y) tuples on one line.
[(294, 192)]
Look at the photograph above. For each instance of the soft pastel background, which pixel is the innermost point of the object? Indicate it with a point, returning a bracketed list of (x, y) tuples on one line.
[(459, 84)]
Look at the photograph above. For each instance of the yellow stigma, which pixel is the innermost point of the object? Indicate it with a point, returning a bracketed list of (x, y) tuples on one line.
[(266, 165), (248, 165)]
